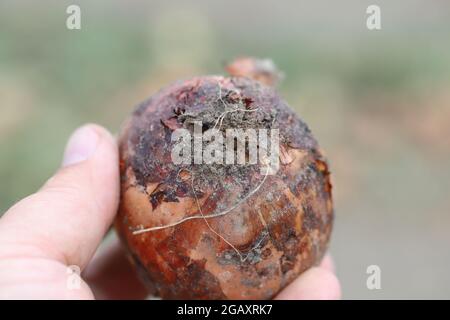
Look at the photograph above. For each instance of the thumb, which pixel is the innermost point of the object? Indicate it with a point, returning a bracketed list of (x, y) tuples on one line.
[(68, 217)]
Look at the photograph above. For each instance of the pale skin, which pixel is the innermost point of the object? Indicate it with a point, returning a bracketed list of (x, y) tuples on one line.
[(64, 223)]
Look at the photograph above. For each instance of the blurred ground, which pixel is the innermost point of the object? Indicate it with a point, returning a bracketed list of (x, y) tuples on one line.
[(378, 102)]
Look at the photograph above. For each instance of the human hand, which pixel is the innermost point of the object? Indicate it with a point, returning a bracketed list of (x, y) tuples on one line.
[(64, 223)]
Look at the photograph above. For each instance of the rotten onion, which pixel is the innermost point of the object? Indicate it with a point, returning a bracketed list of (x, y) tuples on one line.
[(218, 230)]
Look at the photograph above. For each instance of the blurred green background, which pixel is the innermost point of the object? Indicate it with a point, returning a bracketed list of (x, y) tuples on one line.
[(378, 102)]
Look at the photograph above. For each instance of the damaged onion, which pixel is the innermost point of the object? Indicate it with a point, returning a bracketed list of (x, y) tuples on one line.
[(225, 194)]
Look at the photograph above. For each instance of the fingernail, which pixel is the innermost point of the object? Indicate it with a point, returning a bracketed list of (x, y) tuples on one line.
[(81, 145)]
